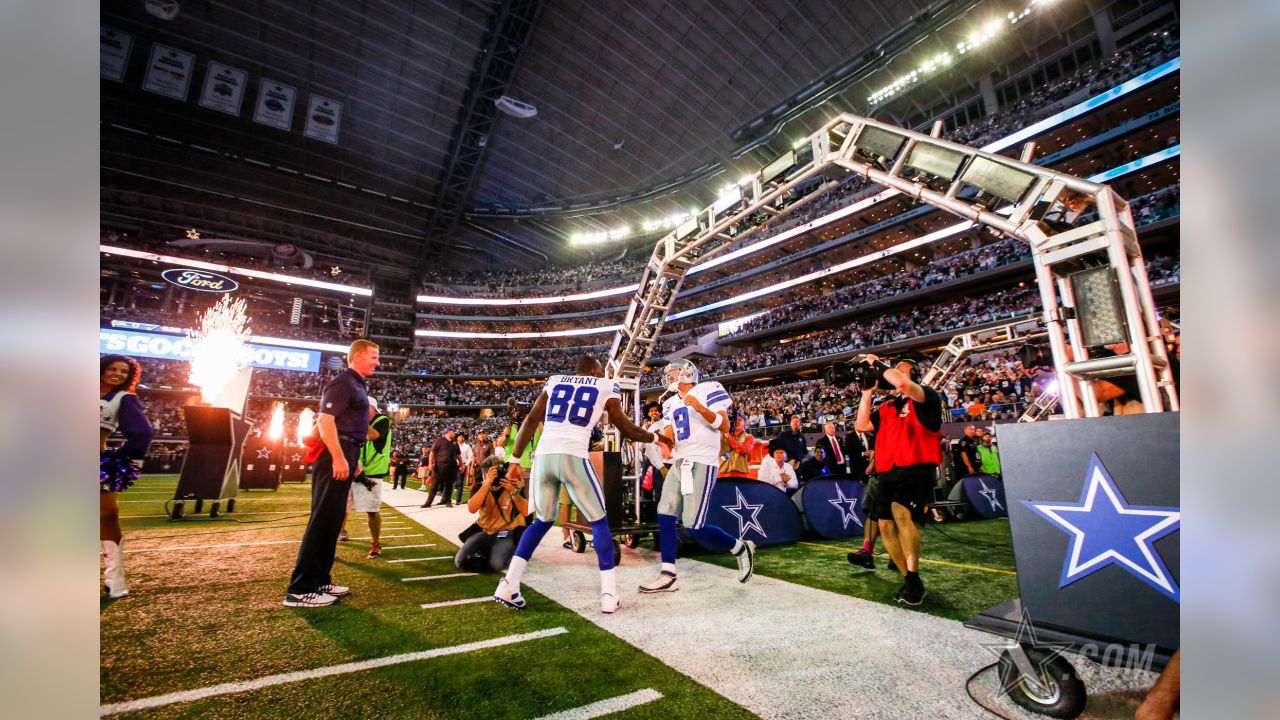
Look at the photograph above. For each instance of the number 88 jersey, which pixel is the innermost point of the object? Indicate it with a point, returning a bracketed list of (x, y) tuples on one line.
[(574, 406), (696, 440)]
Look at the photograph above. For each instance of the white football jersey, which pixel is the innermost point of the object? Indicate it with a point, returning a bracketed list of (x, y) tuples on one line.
[(696, 440), (574, 406)]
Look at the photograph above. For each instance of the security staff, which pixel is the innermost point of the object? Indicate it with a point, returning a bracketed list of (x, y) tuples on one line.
[(908, 436), (343, 423)]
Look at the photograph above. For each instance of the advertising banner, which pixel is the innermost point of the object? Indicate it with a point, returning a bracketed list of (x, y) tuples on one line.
[(178, 347), (224, 88), (113, 52), (275, 104), (324, 117), (169, 72)]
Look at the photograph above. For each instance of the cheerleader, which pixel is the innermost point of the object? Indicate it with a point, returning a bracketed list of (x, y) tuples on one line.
[(119, 409)]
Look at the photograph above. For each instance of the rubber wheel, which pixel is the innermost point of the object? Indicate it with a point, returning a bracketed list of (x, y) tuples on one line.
[(231, 505), (213, 510), (199, 506), (176, 514), (617, 553), (632, 540), (1065, 696), (579, 541)]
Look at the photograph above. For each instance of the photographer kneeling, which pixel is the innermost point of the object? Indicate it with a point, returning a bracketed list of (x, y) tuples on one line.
[(490, 543), (908, 452)]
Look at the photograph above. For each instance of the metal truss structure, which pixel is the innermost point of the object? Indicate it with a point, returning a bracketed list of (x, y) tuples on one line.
[(1092, 280), (510, 28)]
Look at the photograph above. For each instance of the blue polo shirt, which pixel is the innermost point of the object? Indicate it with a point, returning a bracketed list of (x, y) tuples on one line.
[(347, 400)]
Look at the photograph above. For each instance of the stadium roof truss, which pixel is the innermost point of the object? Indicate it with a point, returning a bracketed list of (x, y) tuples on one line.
[(1092, 280)]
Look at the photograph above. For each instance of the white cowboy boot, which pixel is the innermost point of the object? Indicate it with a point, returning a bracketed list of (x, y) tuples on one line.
[(113, 572)]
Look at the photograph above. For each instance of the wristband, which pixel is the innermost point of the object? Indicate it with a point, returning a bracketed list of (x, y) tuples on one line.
[(718, 421)]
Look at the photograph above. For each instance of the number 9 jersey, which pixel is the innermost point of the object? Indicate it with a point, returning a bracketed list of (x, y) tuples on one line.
[(574, 406), (696, 440)]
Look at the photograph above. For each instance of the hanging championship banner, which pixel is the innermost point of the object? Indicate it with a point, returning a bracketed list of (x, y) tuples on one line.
[(223, 88), (113, 52), (169, 72), (324, 116), (275, 104)]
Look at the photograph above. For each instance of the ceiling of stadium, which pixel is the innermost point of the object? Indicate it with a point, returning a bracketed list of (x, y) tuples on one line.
[(642, 110)]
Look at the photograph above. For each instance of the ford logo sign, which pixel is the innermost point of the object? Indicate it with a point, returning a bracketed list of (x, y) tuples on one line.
[(200, 280)]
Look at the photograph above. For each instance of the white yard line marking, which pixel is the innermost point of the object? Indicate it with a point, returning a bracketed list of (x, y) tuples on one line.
[(437, 577), (321, 672), (450, 603), (261, 512), (401, 547), (202, 547), (442, 557), (384, 537), (606, 707)]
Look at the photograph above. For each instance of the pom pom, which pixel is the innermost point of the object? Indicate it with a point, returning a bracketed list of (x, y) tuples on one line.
[(116, 473)]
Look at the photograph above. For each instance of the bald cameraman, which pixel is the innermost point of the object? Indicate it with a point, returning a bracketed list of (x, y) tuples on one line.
[(908, 451)]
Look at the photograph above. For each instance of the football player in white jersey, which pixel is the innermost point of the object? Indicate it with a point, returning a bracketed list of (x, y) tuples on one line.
[(568, 408), (696, 417)]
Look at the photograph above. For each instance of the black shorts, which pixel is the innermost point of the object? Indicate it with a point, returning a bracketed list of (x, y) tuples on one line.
[(871, 498), (910, 487)]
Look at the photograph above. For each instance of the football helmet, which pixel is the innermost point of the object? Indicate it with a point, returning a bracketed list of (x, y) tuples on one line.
[(680, 371)]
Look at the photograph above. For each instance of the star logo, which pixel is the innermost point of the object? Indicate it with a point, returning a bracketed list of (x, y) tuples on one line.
[(990, 494), (165, 466), (193, 234), (264, 453), (1032, 668), (847, 507), (1106, 530), (297, 457), (741, 510)]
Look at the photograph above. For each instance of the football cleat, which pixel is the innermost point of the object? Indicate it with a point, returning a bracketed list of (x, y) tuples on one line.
[(609, 603), (666, 582), (504, 595), (746, 561)]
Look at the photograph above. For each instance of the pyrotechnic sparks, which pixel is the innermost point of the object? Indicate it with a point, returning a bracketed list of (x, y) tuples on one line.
[(305, 420), (219, 347), (276, 430)]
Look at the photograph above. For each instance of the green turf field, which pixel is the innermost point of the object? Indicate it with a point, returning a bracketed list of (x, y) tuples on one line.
[(212, 615)]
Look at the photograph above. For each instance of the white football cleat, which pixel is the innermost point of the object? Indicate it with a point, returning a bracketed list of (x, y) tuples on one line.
[(609, 603), (113, 569), (507, 596), (666, 582), (746, 561)]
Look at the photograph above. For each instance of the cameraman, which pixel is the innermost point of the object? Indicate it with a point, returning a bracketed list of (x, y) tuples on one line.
[(501, 509), (908, 434)]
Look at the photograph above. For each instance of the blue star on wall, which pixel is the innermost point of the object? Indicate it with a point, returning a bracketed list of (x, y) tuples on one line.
[(1106, 530), (264, 453), (741, 510), (846, 506)]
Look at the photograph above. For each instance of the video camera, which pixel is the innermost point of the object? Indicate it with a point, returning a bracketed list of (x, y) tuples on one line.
[(860, 370)]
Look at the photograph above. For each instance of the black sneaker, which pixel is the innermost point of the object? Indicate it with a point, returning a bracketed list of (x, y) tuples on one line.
[(567, 545), (893, 565), (912, 593), (425, 505), (863, 559)]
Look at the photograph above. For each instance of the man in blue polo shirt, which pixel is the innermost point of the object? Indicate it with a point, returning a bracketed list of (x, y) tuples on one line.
[(343, 423)]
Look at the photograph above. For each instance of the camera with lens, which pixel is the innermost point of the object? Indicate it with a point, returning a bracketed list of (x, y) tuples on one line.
[(860, 370)]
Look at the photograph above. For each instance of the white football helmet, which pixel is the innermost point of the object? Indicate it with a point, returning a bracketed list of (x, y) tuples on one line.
[(680, 370)]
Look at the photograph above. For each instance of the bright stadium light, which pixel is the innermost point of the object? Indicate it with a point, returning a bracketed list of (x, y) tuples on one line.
[(216, 267)]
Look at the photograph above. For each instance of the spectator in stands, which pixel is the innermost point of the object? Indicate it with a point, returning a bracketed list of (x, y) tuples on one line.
[(501, 509), (836, 450), (792, 442), (738, 445), (777, 471), (814, 466)]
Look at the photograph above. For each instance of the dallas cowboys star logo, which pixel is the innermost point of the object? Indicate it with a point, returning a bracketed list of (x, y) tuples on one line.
[(1026, 637), (1106, 530), (264, 453), (297, 457), (741, 510), (846, 506), (990, 495)]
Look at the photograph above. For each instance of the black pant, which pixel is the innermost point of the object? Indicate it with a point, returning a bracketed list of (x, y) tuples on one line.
[(445, 477), (463, 480), (328, 506), (400, 476), (483, 552)]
